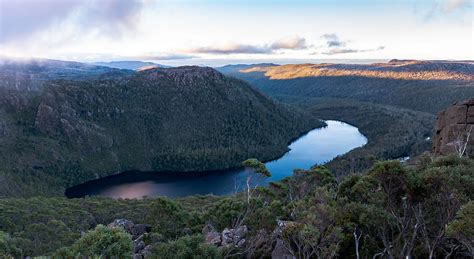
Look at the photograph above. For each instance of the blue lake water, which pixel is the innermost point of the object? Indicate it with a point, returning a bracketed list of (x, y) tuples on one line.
[(316, 147)]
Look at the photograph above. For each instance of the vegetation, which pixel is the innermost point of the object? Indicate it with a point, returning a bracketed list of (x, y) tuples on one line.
[(393, 210), (177, 119), (392, 133), (417, 85), (102, 241)]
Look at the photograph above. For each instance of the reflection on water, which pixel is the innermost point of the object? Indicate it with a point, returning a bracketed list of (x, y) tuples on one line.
[(316, 147)]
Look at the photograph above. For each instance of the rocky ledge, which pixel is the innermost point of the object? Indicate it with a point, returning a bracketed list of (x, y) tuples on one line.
[(454, 130)]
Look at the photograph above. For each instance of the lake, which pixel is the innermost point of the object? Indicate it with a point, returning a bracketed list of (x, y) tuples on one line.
[(316, 147)]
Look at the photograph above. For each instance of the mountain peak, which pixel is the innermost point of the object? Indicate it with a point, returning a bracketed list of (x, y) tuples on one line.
[(184, 75)]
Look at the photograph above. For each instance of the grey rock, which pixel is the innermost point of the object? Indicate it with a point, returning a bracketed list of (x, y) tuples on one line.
[(227, 236), (213, 238), (125, 224), (207, 229), (139, 246), (140, 229)]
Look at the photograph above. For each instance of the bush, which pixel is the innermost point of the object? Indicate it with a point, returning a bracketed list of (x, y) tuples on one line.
[(103, 242), (186, 247)]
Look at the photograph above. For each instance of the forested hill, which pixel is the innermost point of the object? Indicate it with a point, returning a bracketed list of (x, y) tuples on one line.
[(32, 74), (178, 119), (426, 86)]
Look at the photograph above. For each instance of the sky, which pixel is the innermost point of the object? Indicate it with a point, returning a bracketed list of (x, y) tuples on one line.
[(217, 32)]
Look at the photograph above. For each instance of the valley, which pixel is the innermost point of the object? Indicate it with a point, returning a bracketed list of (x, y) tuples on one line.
[(173, 119), (204, 129), (339, 155), (317, 146)]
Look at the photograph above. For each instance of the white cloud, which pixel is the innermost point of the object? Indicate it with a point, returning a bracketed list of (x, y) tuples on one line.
[(289, 43), (294, 43), (335, 51), (453, 5)]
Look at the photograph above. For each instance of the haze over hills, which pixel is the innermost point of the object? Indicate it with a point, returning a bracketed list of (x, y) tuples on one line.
[(420, 85), (30, 74), (178, 119), (131, 65)]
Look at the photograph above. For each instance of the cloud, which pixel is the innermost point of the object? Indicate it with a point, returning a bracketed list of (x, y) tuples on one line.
[(335, 51), (289, 43), (332, 40), (294, 43), (231, 49), (162, 57), (22, 18), (449, 6)]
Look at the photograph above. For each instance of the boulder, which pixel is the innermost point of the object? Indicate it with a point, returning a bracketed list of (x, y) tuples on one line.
[(455, 126), (125, 224), (211, 236), (137, 232), (227, 237)]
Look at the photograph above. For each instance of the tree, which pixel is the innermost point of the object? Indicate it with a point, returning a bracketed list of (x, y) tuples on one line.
[(314, 232), (461, 139), (7, 246), (254, 169), (102, 242), (462, 228)]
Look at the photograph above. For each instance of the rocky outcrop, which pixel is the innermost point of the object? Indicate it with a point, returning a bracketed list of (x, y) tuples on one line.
[(228, 237), (454, 130), (138, 233)]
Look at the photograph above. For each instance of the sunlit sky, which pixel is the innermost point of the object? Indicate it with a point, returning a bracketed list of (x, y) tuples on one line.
[(219, 32)]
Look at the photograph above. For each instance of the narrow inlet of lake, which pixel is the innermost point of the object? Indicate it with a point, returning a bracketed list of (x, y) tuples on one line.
[(316, 147)]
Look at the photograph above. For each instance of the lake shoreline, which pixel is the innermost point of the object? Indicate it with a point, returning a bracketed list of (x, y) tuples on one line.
[(178, 180)]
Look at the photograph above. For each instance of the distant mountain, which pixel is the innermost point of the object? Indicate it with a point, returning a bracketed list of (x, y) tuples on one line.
[(178, 119), (131, 65), (30, 74), (229, 69), (420, 85)]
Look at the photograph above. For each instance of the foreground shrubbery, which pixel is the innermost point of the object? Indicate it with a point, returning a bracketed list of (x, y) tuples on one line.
[(392, 210)]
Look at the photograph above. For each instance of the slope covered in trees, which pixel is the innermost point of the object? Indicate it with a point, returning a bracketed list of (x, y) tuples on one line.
[(31, 74), (426, 86), (175, 119)]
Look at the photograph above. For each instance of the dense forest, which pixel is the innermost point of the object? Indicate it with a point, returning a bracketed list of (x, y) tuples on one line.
[(427, 86), (421, 210), (175, 119), (360, 205)]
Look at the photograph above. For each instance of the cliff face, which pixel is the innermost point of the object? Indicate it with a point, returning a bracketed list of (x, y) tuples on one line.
[(454, 131)]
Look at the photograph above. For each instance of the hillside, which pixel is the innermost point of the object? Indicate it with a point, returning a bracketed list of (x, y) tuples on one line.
[(175, 119), (426, 86), (31, 74)]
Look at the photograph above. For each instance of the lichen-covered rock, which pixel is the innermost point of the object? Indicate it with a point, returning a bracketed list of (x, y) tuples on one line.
[(125, 224), (227, 237), (455, 128)]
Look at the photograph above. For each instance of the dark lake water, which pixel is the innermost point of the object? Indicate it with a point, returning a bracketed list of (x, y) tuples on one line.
[(316, 147)]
